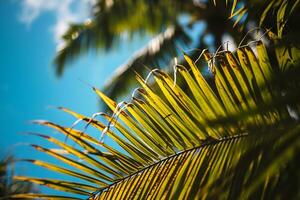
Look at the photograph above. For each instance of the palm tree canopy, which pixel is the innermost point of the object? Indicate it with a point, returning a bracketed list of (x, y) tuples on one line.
[(111, 20)]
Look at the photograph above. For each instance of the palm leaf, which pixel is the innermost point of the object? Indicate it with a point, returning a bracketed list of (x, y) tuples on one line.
[(236, 139), (109, 22)]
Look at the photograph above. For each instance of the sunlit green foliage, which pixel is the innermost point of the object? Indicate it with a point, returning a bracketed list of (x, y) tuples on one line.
[(240, 140)]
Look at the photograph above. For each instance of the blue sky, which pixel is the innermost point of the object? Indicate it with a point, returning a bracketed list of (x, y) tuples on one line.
[(28, 84)]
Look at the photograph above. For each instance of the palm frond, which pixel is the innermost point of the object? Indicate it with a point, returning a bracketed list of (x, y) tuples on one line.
[(110, 22), (234, 139), (218, 169)]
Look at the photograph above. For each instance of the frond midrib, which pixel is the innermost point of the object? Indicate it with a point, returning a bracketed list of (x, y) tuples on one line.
[(206, 143)]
